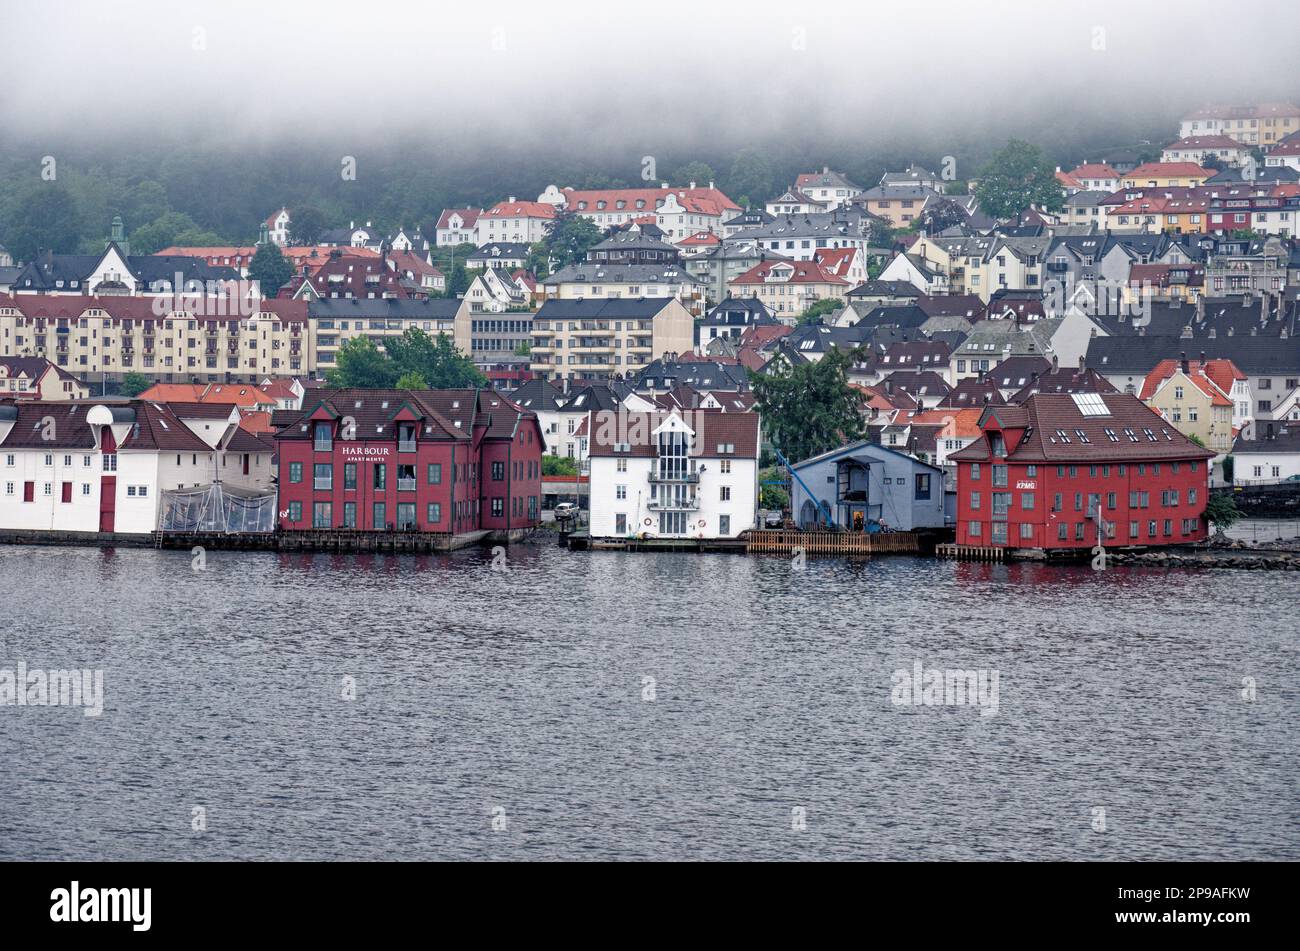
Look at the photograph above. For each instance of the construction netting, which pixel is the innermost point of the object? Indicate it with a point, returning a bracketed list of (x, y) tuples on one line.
[(217, 508)]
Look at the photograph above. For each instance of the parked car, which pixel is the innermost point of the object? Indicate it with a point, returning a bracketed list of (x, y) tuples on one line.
[(773, 519), (566, 510)]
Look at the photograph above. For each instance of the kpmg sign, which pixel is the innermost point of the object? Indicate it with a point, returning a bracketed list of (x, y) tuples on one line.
[(1023, 484)]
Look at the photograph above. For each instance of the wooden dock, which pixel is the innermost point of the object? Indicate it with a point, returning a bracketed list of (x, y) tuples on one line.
[(970, 552), (788, 541)]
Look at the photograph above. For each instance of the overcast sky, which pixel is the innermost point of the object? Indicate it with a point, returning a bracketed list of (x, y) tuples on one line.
[(600, 72)]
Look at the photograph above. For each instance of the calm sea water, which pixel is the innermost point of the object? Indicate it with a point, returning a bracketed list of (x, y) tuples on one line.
[(524, 695)]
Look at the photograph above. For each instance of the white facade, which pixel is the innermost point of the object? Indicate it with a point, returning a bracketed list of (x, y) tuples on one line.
[(47, 472), (678, 493)]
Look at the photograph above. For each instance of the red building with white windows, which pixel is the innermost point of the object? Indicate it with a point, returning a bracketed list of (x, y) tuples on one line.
[(1048, 473), (450, 461)]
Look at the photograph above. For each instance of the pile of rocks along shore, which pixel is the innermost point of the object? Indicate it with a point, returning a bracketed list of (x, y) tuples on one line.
[(1211, 558)]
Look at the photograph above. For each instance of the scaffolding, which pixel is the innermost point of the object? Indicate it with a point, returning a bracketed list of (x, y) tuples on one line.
[(217, 508)]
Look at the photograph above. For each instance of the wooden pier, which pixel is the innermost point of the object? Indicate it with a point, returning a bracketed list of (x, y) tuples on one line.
[(787, 541), (970, 552)]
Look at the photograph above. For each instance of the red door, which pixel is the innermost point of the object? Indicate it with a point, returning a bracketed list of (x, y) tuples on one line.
[(107, 503), (67, 492)]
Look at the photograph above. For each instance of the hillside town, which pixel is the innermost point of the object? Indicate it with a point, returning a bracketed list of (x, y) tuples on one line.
[(1082, 366)]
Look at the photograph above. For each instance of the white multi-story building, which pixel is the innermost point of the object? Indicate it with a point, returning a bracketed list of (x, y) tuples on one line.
[(690, 474), (678, 212), (512, 220), (82, 467), (457, 226)]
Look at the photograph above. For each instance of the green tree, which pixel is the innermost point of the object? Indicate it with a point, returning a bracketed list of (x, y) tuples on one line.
[(361, 364), (942, 214), (270, 268), (827, 305), (133, 384), (697, 172), (773, 497), (434, 359), (411, 381), (752, 175), (458, 281), (306, 224), (1221, 509), (1229, 464), (524, 349), (165, 231), (43, 218), (559, 466), (810, 408), (1016, 177), (569, 237)]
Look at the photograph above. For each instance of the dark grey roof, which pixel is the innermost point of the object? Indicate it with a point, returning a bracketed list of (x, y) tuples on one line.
[(615, 273), (500, 249), (1140, 354), (738, 310), (701, 374), (400, 308), (635, 308), (880, 288), (537, 395)]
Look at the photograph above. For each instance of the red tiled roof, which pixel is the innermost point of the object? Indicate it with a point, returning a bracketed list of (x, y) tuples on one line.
[(804, 272), (1094, 170), (702, 201), (468, 216), (1051, 424), (1205, 142), (520, 209), (1168, 170), (1209, 381), (715, 427)]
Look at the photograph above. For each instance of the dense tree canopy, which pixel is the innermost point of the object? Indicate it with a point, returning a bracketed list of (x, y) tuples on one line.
[(412, 361), (271, 268), (568, 239), (44, 219), (1016, 177), (810, 408)]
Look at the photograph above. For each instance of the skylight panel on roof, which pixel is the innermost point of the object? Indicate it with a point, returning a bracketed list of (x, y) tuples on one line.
[(1090, 404)]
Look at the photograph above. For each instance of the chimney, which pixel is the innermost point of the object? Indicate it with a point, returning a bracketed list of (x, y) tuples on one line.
[(510, 200), (1200, 309), (1080, 361), (1213, 335), (1182, 362), (1187, 333), (1056, 361), (1229, 331), (1263, 308), (1253, 331), (692, 186)]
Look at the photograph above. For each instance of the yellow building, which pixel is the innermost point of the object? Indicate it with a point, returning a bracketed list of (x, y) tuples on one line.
[(1166, 175), (167, 339)]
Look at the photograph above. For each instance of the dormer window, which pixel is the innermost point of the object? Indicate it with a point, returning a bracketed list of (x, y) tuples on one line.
[(323, 437)]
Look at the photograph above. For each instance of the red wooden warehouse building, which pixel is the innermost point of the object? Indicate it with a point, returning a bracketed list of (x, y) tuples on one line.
[(1050, 473), (448, 461)]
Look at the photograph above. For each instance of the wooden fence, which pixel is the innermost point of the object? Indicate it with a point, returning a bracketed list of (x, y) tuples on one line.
[(970, 552), (786, 541)]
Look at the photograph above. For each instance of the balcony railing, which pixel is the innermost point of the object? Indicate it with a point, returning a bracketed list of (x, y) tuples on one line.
[(406, 485), (322, 445), (322, 482), (673, 476), (674, 505)]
